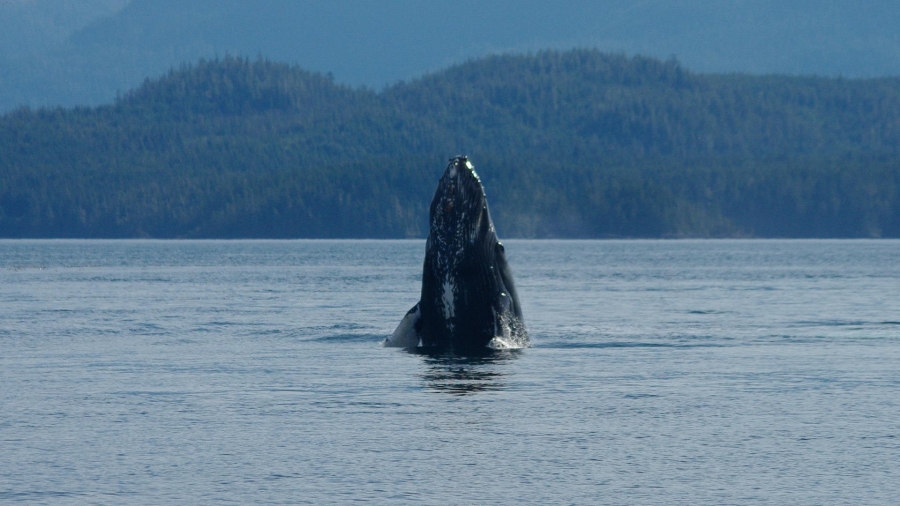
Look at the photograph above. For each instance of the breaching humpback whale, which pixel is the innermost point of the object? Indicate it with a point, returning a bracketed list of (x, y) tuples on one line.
[(469, 301)]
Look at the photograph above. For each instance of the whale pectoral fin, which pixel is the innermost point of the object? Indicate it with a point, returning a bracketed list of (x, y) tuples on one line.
[(501, 309), (509, 331), (507, 279), (406, 335), (503, 303)]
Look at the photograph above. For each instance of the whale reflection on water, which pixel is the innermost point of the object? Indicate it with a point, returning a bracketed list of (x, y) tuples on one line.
[(464, 375)]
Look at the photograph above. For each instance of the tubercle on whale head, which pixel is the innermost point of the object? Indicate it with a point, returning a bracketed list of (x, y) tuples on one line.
[(460, 184), (461, 165)]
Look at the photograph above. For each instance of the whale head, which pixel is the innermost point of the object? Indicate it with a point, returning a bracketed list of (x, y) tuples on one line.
[(459, 214)]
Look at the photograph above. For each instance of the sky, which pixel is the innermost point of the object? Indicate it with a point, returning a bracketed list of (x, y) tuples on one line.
[(82, 52)]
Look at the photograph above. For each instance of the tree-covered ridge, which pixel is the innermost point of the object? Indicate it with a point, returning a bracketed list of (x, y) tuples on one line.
[(569, 144), (649, 107)]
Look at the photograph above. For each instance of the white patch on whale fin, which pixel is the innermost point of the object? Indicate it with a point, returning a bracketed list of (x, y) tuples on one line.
[(405, 336)]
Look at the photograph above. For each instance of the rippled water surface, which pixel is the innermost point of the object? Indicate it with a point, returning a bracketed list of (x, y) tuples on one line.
[(661, 372)]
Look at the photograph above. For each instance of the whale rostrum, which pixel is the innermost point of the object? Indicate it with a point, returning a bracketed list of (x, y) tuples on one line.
[(469, 301)]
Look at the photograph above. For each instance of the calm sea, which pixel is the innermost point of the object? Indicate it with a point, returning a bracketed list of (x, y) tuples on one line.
[(250, 372)]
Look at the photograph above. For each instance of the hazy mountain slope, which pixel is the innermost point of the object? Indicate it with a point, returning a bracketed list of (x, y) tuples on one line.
[(34, 36), (378, 43), (29, 28)]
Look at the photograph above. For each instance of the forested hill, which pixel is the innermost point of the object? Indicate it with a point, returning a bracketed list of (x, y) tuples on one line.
[(568, 144)]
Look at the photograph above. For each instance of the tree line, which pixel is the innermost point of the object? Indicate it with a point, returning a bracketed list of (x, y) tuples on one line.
[(569, 144)]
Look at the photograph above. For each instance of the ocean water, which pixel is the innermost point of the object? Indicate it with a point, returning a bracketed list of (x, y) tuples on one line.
[(250, 372)]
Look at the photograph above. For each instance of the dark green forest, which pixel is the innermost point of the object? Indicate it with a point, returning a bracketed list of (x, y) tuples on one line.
[(568, 144)]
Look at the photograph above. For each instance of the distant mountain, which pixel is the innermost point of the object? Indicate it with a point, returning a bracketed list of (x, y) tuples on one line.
[(569, 144), (68, 52)]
